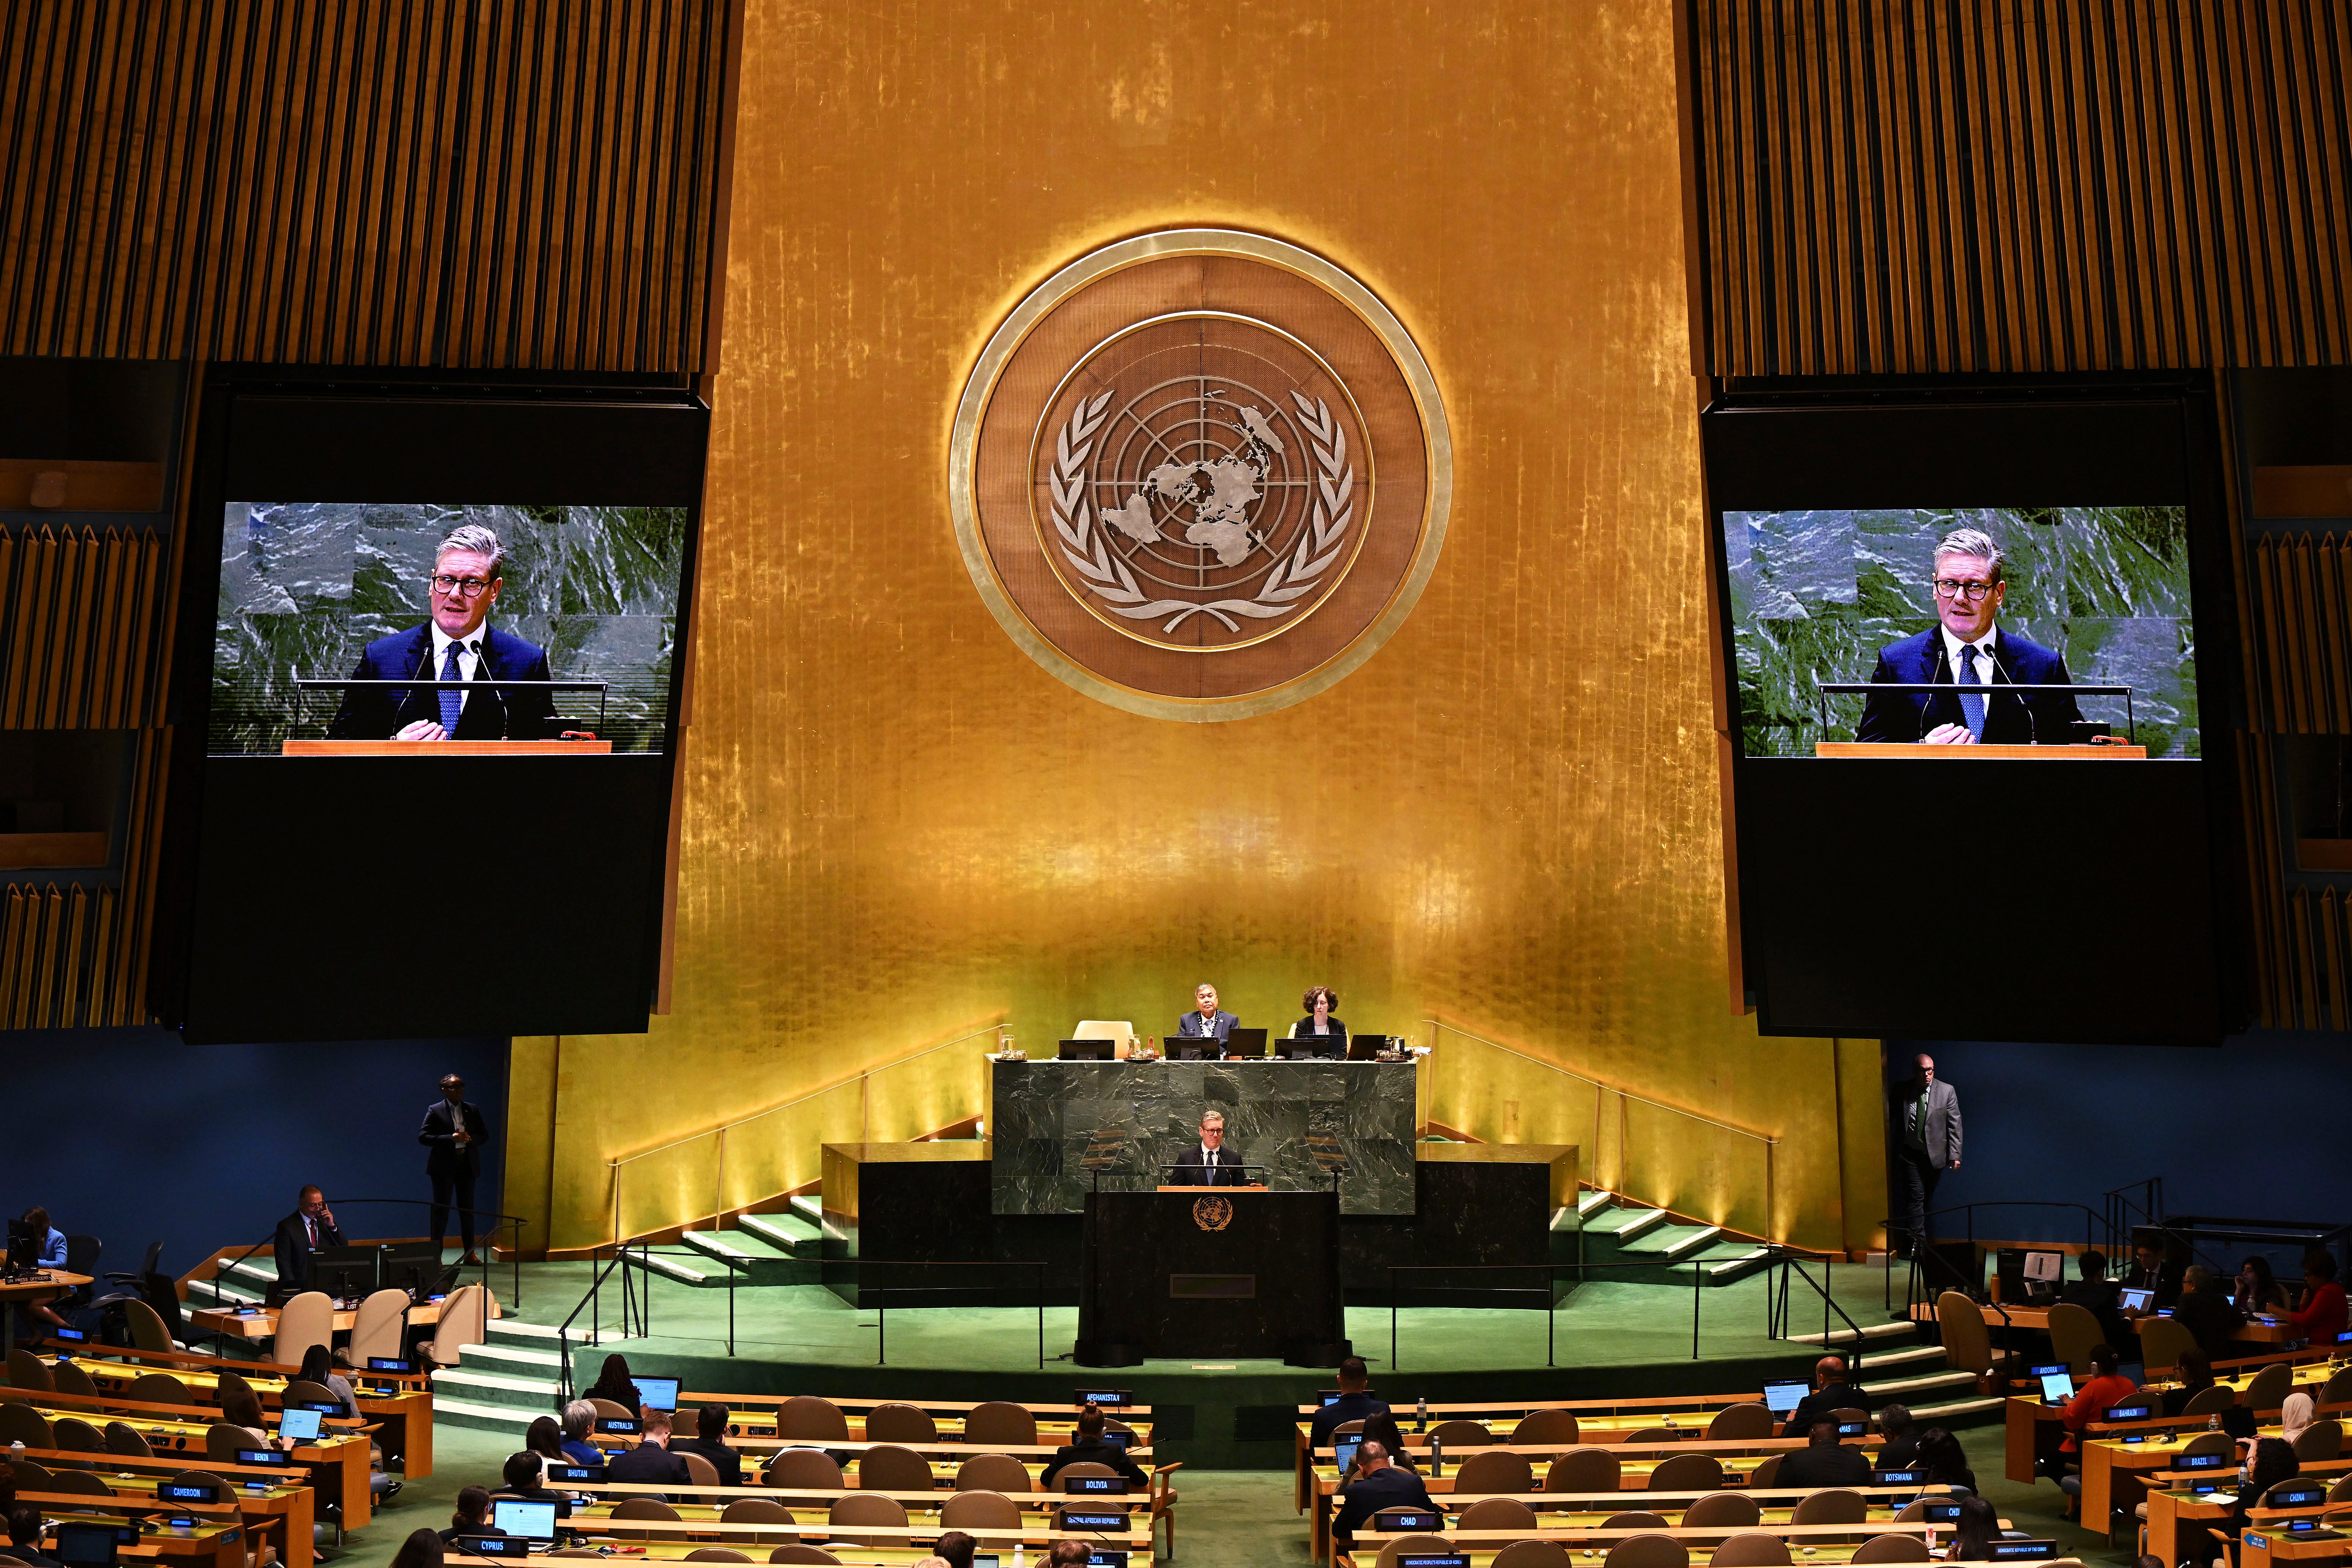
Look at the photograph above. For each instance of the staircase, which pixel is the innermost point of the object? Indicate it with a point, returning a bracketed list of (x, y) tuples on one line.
[(1618, 1230), (507, 1382), (1898, 1369), (765, 1249)]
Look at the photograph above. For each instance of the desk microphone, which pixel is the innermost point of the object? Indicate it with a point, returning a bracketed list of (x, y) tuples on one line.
[(2033, 726)]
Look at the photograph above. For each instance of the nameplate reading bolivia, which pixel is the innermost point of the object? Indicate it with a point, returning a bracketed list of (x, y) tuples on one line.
[(1201, 474)]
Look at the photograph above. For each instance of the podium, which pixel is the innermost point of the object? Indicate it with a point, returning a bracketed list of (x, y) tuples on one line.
[(1211, 1271)]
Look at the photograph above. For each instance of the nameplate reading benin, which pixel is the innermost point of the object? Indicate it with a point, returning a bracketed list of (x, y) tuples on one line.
[(1212, 1213), (1213, 1286)]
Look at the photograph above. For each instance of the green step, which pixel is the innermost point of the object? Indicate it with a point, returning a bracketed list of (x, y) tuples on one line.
[(789, 1234), (762, 1262), (1617, 1221), (1662, 1240)]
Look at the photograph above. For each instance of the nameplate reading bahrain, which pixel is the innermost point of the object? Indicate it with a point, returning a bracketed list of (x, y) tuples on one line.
[(1199, 474)]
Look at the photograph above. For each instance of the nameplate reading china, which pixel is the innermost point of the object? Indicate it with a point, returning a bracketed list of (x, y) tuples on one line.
[(1199, 474)]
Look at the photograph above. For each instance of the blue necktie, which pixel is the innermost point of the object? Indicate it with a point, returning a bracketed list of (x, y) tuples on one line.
[(453, 703), (1972, 703)]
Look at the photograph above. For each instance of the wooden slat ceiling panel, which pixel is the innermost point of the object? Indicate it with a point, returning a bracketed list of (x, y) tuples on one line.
[(493, 185), (1905, 186)]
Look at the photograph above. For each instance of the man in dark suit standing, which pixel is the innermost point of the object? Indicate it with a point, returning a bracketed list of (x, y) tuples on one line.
[(1208, 1163), (1377, 1485), (453, 1136), (310, 1226), (1965, 651), (1926, 1143), (452, 645), (1830, 1393), (1207, 1023)]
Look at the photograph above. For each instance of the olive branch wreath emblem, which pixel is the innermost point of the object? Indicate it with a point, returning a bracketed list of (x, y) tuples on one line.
[(1107, 574)]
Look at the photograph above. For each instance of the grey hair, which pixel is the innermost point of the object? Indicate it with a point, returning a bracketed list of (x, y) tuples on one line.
[(1216, 1115), (1895, 1420), (1974, 543), (2198, 1275), (578, 1417), (476, 540)]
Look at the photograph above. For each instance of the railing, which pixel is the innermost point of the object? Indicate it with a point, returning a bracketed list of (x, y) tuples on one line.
[(1707, 1190), (882, 1292), (636, 1307), (844, 1112), (514, 1254), (2121, 1205), (1912, 1293), (1777, 1312)]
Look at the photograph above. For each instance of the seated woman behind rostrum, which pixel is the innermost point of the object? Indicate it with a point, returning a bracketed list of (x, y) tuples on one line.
[(1329, 1034)]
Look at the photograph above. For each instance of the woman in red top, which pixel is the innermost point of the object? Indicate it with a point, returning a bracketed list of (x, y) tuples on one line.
[(2107, 1386), (2322, 1317)]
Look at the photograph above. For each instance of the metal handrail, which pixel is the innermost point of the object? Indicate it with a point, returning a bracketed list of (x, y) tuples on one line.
[(1911, 1296), (518, 1221), (1772, 1143), (719, 1197), (1788, 1259), (882, 1301)]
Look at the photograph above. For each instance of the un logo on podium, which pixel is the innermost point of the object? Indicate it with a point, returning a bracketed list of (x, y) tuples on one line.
[(1212, 1213)]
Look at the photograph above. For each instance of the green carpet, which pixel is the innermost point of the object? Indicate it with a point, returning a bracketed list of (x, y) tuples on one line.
[(1229, 1519)]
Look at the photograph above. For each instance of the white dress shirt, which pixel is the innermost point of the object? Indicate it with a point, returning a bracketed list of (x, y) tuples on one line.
[(1985, 668), (469, 656)]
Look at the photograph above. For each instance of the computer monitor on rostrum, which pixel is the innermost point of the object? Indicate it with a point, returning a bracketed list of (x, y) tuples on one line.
[(1087, 1050), (1246, 1043)]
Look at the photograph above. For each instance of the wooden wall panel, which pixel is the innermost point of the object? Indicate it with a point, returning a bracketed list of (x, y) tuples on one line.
[(1890, 187), (469, 184)]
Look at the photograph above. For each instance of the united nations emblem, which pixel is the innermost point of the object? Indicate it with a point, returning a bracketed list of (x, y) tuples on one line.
[(1212, 1213), (1201, 474)]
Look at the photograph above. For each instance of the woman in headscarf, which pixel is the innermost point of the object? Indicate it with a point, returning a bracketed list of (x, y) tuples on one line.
[(2297, 1414)]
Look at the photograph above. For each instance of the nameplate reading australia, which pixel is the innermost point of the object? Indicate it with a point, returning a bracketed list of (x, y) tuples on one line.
[(1201, 474)]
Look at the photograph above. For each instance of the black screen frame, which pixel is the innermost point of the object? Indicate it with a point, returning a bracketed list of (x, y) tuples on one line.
[(1779, 443), (580, 874)]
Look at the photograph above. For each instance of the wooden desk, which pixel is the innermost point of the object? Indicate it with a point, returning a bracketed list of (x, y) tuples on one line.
[(217, 1540), (261, 1323), (285, 1503), (2259, 1548), (445, 747), (404, 1419), (2038, 1318), (47, 1286), (1981, 751)]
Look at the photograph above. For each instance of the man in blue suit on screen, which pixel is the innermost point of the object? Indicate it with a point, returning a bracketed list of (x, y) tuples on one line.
[(1971, 654), (455, 644)]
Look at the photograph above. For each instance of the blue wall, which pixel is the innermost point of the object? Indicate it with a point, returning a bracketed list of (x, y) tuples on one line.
[(132, 1136), (2260, 1128)]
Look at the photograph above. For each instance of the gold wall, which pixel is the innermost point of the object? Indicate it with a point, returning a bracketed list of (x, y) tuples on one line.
[(897, 825)]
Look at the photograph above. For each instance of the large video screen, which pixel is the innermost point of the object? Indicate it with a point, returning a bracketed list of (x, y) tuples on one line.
[(1965, 634), (1984, 626), (524, 622)]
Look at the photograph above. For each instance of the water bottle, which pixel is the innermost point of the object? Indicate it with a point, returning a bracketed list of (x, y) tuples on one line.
[(1421, 1414), (1436, 1456), (2213, 1422)]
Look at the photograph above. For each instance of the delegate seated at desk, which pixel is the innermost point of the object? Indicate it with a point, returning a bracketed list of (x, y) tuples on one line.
[(310, 1226), (1320, 1025), (1207, 1023), (1375, 1484), (1208, 1163), (1087, 1445)]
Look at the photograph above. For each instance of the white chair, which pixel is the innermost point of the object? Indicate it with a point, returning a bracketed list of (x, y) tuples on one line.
[(381, 1328), (465, 1314), (1118, 1029), (307, 1320)]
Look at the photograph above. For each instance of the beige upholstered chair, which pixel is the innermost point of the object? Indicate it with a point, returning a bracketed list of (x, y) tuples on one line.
[(23, 1423), (714, 1554), (2073, 1329), (26, 1371), (2210, 1401), (148, 1329), (1891, 1549), (872, 1518), (644, 1508), (1545, 1427), (1397, 1546), (1968, 1343), (756, 1511), (897, 1422), (380, 1326), (1117, 1029), (1495, 1470), (464, 1320), (992, 1473), (802, 1552), (980, 1510), (1498, 1513), (70, 1379), (1583, 1471), (1648, 1551), (77, 1435), (1687, 1473), (127, 1441), (2267, 1389), (305, 1321), (1754, 1550), (999, 1422), (1838, 1505), (1532, 1554), (891, 1469), (1718, 1510), (2320, 1441), (1636, 1519), (1460, 1433), (2162, 1342), (1741, 1424), (704, 1472), (803, 1470), (806, 1416)]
